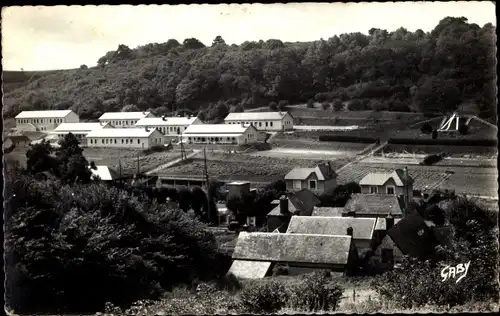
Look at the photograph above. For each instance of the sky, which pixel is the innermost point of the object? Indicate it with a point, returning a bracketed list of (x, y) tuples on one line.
[(65, 37)]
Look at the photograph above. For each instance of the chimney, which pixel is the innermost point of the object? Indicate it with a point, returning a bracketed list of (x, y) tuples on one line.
[(349, 231), (389, 222), (146, 128), (242, 124), (284, 205), (406, 194), (189, 116), (163, 118)]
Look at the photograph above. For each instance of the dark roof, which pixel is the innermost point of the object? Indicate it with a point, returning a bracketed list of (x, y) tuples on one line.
[(373, 204), (300, 248), (322, 171), (327, 211), (362, 227), (412, 236), (299, 203)]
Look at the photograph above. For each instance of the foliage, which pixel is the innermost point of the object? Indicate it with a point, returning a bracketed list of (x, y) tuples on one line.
[(72, 248), (339, 196), (310, 103), (317, 292), (282, 105), (184, 197), (429, 160), (273, 106), (426, 128), (40, 159), (325, 105), (264, 297)]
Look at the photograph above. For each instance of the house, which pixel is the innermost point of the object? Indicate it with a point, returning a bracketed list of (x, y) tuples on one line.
[(386, 183), (362, 228), (171, 127), (256, 253), (80, 130), (176, 181), (221, 134), (293, 203), (125, 137), (373, 205), (263, 121), (44, 120), (410, 236), (104, 173), (123, 119), (319, 180), (327, 211)]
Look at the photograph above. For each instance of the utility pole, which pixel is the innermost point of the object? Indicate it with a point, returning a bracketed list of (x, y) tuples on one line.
[(137, 164), (406, 190), (207, 184)]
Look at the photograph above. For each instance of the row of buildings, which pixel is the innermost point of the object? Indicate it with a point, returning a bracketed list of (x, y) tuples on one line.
[(144, 130)]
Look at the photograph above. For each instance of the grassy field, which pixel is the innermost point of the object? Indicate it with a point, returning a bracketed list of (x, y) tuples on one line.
[(310, 140), (452, 151), (464, 180)]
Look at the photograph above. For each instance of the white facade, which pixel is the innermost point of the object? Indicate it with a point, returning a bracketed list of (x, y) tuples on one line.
[(263, 121), (125, 138), (220, 134), (80, 130), (44, 120), (168, 126), (123, 119)]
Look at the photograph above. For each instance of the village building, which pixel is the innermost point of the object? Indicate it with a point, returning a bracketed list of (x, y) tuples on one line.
[(255, 254), (141, 138), (123, 119), (80, 130), (42, 121), (104, 173), (373, 205), (291, 204), (393, 183), (171, 127), (221, 134), (319, 180), (263, 121), (362, 229)]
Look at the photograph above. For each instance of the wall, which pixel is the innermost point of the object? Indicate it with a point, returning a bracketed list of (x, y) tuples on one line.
[(249, 137), (387, 242), (321, 186), (382, 189), (72, 117), (144, 142), (44, 124), (260, 125), (287, 118)]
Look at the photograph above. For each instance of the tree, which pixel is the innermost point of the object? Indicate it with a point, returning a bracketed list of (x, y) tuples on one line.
[(39, 158), (199, 200), (218, 40), (310, 103), (273, 106), (84, 67), (282, 105), (437, 92), (325, 105), (184, 198), (337, 105), (238, 109), (192, 43), (130, 108), (73, 166)]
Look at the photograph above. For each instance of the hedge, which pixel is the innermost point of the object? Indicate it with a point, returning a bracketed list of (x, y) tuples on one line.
[(445, 142), (348, 139)]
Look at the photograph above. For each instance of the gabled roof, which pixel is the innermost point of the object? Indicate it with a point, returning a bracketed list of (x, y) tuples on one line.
[(121, 132), (381, 223), (299, 203), (373, 204), (123, 115), (323, 172), (327, 211), (77, 127), (376, 178), (166, 121), (105, 173), (362, 227), (255, 116), (214, 129), (249, 269), (44, 114), (298, 248), (412, 236)]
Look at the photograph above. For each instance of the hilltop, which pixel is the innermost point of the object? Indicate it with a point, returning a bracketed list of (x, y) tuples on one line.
[(383, 71)]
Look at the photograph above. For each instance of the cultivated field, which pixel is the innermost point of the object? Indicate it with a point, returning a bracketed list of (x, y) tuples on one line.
[(464, 180), (310, 140), (452, 151)]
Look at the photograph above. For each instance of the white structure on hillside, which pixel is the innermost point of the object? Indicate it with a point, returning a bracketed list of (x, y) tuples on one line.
[(221, 134), (264, 121), (44, 120), (169, 126), (123, 119), (451, 123), (80, 130), (142, 138)]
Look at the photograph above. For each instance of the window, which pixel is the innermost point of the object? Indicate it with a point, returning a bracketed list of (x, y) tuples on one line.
[(266, 124), (390, 190), (122, 140), (312, 184), (373, 190), (102, 141), (271, 124), (115, 140), (297, 184), (138, 141), (260, 124), (126, 141), (130, 141), (387, 255)]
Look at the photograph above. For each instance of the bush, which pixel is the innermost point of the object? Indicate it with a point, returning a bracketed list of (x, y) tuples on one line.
[(337, 105), (431, 159), (273, 106), (317, 292), (310, 104), (345, 138), (264, 296), (280, 269), (325, 105), (444, 142), (426, 128), (282, 105), (463, 129)]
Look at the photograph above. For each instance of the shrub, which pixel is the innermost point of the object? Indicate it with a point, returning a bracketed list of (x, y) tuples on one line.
[(431, 159), (310, 104), (463, 129), (264, 296), (316, 292), (273, 106), (337, 105), (346, 138), (282, 105), (280, 269), (325, 105), (426, 128)]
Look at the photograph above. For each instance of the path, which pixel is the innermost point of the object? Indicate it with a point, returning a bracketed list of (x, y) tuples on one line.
[(172, 162), (325, 128), (363, 155)]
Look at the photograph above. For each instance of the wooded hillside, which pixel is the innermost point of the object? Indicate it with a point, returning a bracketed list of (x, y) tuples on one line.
[(397, 71)]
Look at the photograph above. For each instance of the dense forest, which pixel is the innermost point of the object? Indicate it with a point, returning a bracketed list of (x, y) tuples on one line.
[(432, 72)]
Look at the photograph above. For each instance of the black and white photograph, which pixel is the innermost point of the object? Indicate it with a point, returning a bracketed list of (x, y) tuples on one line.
[(250, 158)]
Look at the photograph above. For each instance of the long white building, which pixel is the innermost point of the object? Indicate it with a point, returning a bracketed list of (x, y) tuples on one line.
[(80, 130), (263, 121), (169, 126), (142, 138), (221, 134), (44, 120), (123, 119)]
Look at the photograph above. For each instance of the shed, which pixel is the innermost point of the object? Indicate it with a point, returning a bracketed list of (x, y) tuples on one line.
[(373, 205)]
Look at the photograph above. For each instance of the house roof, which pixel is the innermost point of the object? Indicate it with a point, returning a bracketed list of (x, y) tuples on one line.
[(44, 114), (123, 115), (373, 204), (299, 203), (167, 121), (376, 178), (362, 227), (300, 248), (214, 129), (105, 173), (321, 172), (121, 132), (249, 269), (327, 211), (381, 223), (412, 236), (255, 116), (77, 127)]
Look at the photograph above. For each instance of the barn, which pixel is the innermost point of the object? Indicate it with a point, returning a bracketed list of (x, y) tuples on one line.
[(123, 119), (44, 120), (221, 134), (142, 138), (171, 127), (263, 121)]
